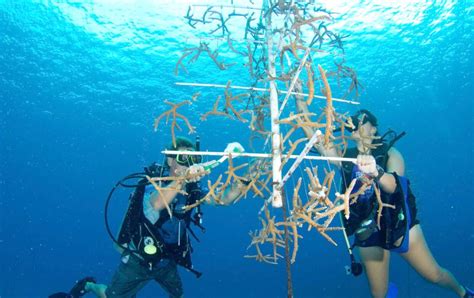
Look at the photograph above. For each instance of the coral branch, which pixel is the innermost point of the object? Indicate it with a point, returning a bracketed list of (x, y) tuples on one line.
[(173, 112)]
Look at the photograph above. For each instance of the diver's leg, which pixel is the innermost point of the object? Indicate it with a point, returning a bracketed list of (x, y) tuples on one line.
[(420, 258), (376, 262), (96, 289), (129, 279), (169, 279)]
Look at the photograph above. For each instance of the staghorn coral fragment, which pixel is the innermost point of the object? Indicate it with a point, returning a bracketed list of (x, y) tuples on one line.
[(173, 112)]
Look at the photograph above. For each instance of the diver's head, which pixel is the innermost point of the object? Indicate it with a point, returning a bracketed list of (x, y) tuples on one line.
[(362, 117), (365, 128), (179, 161)]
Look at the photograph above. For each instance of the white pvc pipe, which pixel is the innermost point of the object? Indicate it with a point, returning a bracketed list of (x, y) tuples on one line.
[(275, 126), (263, 90), (293, 81), (300, 157), (257, 155)]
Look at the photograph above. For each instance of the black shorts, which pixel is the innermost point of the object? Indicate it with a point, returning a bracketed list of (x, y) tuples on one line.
[(132, 276), (379, 237)]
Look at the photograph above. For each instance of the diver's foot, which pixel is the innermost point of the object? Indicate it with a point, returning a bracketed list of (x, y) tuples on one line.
[(79, 288), (469, 293)]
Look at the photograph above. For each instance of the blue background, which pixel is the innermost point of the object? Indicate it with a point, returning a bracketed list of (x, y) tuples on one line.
[(80, 86)]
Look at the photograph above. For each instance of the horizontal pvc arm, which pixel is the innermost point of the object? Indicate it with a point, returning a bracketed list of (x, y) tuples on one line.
[(258, 155)]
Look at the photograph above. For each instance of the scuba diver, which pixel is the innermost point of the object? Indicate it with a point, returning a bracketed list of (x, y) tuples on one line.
[(379, 163), (155, 234)]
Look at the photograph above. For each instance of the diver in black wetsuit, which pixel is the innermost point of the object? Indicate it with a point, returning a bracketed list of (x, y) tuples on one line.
[(400, 230)]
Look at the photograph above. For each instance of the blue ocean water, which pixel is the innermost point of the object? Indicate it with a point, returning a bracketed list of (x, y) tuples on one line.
[(81, 84)]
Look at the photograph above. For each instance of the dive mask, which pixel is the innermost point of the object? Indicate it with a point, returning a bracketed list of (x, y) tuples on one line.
[(187, 160)]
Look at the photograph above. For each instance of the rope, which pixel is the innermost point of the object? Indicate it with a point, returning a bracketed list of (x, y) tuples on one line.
[(287, 250)]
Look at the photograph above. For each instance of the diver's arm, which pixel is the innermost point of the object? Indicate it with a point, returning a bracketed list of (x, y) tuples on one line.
[(158, 199), (328, 150), (395, 163), (193, 173), (232, 193), (229, 195)]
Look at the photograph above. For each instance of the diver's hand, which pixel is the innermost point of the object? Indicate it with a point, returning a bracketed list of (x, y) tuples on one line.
[(195, 173), (367, 165)]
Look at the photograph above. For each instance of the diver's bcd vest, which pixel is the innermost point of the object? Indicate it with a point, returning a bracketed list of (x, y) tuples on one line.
[(395, 223), (362, 210), (168, 237)]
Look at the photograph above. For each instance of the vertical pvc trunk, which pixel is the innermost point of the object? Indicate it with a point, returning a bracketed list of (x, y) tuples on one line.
[(277, 201), (275, 127)]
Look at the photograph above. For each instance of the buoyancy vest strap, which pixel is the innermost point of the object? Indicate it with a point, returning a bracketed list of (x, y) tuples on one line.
[(404, 246)]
